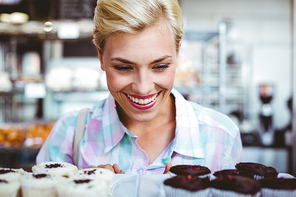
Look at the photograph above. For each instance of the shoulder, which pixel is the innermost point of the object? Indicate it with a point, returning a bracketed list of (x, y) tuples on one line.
[(212, 118)]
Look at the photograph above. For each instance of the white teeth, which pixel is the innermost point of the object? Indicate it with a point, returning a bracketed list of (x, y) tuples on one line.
[(142, 101)]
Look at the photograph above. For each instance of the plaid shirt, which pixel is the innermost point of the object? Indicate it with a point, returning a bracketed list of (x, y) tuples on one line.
[(203, 137)]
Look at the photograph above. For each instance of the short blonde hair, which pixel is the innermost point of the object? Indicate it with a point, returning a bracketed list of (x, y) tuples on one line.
[(131, 16)]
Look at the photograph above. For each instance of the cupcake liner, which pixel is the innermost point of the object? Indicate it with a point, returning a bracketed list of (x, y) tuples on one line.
[(177, 192), (36, 192), (64, 193), (227, 193), (10, 189), (267, 192)]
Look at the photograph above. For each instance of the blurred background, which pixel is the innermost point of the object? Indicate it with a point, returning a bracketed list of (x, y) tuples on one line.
[(237, 57)]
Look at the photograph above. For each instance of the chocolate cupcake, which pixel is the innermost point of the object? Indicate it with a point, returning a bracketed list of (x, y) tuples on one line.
[(189, 170), (222, 173), (278, 187), (235, 185), (260, 171), (186, 185)]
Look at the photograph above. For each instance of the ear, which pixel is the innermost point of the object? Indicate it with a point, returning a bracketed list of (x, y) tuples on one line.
[(101, 59)]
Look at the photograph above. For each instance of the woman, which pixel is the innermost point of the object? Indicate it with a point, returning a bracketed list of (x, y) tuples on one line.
[(145, 126)]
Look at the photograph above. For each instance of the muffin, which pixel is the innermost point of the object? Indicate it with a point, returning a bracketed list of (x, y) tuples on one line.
[(235, 185), (189, 170), (186, 185), (222, 173), (11, 174), (54, 168), (9, 188), (96, 173), (260, 171), (38, 185), (82, 188), (278, 187)]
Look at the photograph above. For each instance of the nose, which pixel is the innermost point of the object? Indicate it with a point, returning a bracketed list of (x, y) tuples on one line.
[(142, 83)]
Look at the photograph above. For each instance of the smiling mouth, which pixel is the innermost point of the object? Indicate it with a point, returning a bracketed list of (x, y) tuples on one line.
[(142, 101)]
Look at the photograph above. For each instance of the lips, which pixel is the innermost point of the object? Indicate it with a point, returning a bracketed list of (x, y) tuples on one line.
[(141, 102)]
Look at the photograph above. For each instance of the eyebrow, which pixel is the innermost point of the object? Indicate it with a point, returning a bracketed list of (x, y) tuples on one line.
[(125, 61)]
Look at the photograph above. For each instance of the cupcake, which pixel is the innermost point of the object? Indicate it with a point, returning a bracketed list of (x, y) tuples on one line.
[(260, 171), (278, 187), (96, 173), (11, 174), (82, 188), (9, 188), (54, 168), (235, 185), (189, 170), (222, 173), (38, 185), (186, 185)]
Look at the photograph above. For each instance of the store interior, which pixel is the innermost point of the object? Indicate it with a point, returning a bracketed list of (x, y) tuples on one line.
[(236, 57)]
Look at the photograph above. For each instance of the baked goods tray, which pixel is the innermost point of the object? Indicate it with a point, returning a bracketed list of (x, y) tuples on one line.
[(145, 185)]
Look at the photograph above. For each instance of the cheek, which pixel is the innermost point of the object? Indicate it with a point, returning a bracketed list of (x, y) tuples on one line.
[(166, 80), (116, 82)]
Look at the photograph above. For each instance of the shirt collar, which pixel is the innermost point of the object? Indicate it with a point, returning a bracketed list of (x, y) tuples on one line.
[(187, 137)]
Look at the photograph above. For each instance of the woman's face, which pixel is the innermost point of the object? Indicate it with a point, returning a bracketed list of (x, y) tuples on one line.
[(140, 70)]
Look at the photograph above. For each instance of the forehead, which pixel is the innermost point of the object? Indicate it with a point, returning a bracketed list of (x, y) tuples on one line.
[(155, 40)]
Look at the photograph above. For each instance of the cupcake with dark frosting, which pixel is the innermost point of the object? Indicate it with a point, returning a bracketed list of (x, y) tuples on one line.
[(260, 171), (278, 187), (186, 185), (189, 170), (227, 172), (235, 185)]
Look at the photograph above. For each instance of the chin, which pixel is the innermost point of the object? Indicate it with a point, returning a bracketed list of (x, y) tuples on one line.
[(143, 117)]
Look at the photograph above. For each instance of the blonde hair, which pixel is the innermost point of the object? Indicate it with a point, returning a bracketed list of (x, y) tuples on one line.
[(131, 16)]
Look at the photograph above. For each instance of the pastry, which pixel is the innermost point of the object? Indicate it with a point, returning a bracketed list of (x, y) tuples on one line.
[(54, 168), (189, 170), (260, 171), (186, 185)]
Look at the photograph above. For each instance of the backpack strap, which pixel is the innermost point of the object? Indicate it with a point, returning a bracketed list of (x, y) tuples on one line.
[(78, 134)]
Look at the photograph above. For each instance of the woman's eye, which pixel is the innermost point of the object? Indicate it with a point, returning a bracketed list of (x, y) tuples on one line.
[(123, 68), (161, 67)]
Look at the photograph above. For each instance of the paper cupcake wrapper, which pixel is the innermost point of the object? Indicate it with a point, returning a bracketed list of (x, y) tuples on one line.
[(11, 193), (80, 194), (176, 192), (37, 192), (267, 192), (227, 193)]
